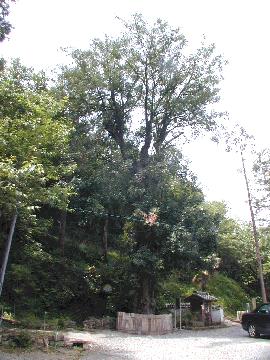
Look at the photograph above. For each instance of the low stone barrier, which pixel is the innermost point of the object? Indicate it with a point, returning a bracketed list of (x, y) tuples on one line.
[(102, 323), (217, 316), (143, 324)]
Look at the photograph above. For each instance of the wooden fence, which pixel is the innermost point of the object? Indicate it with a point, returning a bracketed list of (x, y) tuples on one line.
[(144, 324)]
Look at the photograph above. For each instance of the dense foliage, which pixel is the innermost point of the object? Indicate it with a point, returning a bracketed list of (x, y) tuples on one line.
[(139, 93), (229, 293), (5, 26), (109, 215)]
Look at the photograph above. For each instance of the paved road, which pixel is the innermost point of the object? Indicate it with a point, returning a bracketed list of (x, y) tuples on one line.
[(216, 344), (231, 343)]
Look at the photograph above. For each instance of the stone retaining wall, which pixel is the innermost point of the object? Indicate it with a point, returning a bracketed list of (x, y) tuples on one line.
[(217, 316), (142, 324), (102, 323)]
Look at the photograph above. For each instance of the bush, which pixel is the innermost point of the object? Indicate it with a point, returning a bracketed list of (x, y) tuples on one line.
[(8, 316), (61, 324), (22, 340), (31, 321), (229, 293), (187, 318), (171, 289)]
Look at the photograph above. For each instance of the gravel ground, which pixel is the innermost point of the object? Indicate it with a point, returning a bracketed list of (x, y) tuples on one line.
[(215, 344)]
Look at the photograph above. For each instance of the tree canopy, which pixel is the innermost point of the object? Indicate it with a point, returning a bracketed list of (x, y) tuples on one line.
[(34, 144), (144, 88), (5, 26), (92, 162)]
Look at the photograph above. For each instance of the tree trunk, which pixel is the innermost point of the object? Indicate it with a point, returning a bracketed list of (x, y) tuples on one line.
[(146, 305), (62, 230), (105, 238), (7, 250), (255, 235)]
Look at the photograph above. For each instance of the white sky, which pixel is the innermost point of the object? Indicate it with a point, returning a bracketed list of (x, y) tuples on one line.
[(240, 29)]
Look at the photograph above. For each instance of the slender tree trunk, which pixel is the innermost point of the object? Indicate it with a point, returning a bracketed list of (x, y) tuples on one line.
[(255, 235), (62, 230), (7, 250), (105, 238)]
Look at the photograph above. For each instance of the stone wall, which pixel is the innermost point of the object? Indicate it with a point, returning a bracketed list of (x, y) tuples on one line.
[(102, 323), (144, 324), (217, 316)]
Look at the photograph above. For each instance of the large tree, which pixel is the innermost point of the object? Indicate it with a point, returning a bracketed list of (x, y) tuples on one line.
[(141, 93), (33, 151)]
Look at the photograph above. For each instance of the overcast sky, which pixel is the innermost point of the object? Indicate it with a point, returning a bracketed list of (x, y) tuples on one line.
[(239, 28)]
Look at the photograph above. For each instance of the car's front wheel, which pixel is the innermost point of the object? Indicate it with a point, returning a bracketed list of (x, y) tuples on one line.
[(252, 331)]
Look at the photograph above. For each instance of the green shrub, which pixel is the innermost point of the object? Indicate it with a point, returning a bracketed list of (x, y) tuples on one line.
[(22, 340), (229, 293), (61, 323), (171, 289), (8, 316), (31, 321), (187, 318)]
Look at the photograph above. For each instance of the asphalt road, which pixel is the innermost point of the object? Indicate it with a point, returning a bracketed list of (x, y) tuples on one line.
[(215, 344)]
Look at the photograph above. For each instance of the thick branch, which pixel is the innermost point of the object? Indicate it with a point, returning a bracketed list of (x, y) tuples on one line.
[(148, 123), (114, 120)]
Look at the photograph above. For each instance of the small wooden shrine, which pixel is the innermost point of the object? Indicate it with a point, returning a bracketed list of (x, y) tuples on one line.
[(201, 305)]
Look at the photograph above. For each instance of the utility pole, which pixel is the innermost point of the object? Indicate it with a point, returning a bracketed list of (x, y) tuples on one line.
[(7, 250), (255, 233)]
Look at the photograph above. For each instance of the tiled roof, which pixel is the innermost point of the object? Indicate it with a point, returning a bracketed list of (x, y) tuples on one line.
[(202, 295)]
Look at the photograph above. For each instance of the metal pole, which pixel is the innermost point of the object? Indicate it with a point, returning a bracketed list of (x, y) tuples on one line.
[(7, 250), (180, 314), (44, 320)]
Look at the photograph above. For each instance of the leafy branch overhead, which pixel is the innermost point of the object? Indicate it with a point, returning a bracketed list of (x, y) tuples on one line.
[(95, 187), (33, 146), (144, 88), (5, 26)]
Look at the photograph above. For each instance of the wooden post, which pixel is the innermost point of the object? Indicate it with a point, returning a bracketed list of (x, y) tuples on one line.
[(2, 313), (210, 314), (203, 313)]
